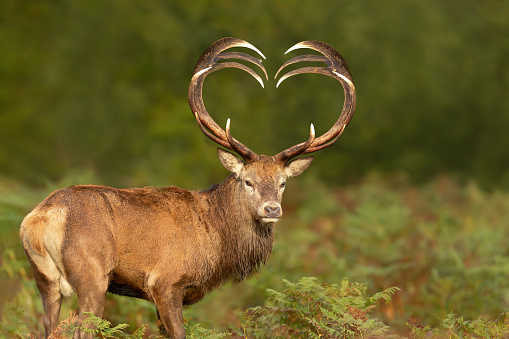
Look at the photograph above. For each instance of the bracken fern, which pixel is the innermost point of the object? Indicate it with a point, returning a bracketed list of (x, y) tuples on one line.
[(306, 309)]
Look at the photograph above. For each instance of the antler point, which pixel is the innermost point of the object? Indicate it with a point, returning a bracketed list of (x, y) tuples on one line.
[(296, 46), (202, 71), (248, 45)]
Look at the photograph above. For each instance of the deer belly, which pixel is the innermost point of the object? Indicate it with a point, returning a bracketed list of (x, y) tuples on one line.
[(193, 294), (130, 284), (126, 290)]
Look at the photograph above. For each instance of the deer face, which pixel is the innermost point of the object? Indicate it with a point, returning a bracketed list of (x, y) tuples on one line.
[(261, 178), (262, 182)]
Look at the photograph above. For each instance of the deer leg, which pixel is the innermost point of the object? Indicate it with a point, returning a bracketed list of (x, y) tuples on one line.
[(51, 298), (91, 296), (160, 325), (90, 282), (88, 258), (168, 301)]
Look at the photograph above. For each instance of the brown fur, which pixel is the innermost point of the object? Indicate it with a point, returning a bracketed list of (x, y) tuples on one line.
[(167, 245)]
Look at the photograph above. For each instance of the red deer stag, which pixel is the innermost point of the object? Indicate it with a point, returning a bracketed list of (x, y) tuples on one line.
[(169, 245)]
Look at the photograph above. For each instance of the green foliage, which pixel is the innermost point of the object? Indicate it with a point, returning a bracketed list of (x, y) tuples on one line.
[(101, 328), (306, 309), (303, 309), (196, 331), (444, 244), (21, 309), (15, 323), (103, 86), (457, 327)]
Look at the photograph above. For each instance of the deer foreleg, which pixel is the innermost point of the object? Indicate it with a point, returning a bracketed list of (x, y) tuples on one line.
[(168, 300)]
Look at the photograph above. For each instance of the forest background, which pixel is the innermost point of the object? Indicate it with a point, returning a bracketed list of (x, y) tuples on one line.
[(96, 92)]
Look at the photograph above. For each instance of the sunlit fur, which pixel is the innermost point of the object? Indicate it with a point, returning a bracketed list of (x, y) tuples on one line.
[(167, 245)]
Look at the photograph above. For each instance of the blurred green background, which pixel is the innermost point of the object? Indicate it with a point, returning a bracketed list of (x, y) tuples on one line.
[(102, 85), (414, 194)]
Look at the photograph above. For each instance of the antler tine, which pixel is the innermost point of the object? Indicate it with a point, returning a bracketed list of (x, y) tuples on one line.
[(299, 149), (337, 69), (237, 146), (207, 64), (315, 58), (246, 57)]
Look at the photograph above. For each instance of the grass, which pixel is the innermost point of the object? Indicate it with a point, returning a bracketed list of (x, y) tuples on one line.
[(444, 244)]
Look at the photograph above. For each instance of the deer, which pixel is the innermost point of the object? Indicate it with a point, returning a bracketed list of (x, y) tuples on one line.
[(169, 245)]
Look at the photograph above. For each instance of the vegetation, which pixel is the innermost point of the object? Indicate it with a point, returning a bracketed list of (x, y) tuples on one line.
[(308, 310), (303, 310), (103, 86), (456, 327), (415, 195), (443, 244)]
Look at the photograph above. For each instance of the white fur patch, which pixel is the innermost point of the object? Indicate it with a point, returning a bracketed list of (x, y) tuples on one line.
[(51, 223), (65, 288)]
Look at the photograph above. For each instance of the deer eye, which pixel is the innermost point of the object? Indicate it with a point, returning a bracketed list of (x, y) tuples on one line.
[(248, 183), (283, 184)]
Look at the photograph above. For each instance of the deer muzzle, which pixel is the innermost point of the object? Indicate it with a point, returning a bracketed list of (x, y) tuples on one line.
[(270, 212)]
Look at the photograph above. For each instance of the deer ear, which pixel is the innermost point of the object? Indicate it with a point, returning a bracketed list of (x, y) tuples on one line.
[(230, 161), (298, 166)]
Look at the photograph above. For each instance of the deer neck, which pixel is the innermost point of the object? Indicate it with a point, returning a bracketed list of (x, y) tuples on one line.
[(249, 241)]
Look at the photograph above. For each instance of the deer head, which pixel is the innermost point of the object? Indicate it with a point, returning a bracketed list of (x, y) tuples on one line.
[(261, 179)]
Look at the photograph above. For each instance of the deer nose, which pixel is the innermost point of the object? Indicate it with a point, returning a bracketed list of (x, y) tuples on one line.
[(272, 211)]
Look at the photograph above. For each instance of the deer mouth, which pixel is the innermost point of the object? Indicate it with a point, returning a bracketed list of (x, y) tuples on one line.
[(270, 212)]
